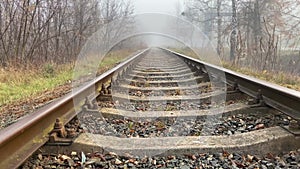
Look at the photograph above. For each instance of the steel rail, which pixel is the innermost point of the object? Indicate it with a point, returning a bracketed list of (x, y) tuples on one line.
[(281, 98), (21, 139)]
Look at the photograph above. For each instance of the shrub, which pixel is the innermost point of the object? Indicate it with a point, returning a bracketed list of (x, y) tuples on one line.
[(48, 70)]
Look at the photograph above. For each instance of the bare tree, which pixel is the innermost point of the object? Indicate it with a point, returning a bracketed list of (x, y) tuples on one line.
[(35, 31), (257, 30), (213, 16), (119, 11)]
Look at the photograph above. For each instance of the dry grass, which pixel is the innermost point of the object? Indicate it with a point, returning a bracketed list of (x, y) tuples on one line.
[(280, 78), (17, 85)]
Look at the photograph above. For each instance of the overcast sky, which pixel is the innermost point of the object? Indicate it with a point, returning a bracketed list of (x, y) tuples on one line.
[(157, 6)]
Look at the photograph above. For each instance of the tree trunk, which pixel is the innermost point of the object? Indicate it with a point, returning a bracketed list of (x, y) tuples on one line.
[(219, 22), (233, 32)]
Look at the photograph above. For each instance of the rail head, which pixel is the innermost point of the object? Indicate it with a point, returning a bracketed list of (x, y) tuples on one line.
[(19, 140)]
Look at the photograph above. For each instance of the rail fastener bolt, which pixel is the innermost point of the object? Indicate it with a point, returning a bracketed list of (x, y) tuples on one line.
[(59, 128), (294, 124)]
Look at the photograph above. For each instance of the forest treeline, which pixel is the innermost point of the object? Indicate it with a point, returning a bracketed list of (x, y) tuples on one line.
[(39, 31), (259, 33), (262, 34)]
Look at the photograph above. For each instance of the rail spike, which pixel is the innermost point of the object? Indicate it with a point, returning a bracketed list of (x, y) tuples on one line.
[(60, 129), (58, 136), (235, 86), (259, 98), (293, 127), (112, 81), (105, 93), (88, 103), (119, 77)]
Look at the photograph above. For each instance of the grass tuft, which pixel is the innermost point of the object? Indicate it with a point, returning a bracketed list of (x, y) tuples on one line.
[(48, 70)]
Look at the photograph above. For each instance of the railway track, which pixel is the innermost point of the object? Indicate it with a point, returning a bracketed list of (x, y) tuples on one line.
[(161, 103)]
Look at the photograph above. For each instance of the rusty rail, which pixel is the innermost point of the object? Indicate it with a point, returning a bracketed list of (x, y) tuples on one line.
[(281, 98), (21, 139)]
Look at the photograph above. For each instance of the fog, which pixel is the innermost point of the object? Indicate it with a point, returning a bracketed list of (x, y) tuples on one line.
[(158, 6)]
